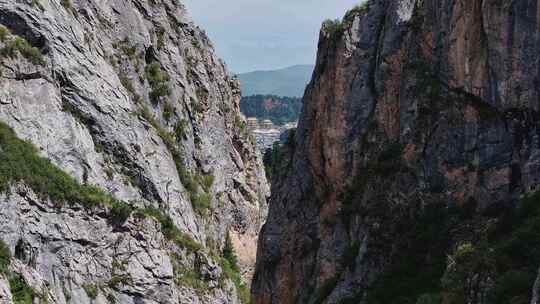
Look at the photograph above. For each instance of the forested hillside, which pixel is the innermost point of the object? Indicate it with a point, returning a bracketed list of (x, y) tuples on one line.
[(279, 110)]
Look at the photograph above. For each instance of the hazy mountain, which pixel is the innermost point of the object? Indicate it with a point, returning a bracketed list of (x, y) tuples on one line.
[(289, 81)]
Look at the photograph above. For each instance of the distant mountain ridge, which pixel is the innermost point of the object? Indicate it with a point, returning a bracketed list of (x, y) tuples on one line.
[(290, 81)]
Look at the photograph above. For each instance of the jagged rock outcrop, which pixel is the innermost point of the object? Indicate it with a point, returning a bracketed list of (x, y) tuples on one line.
[(418, 135), (128, 96)]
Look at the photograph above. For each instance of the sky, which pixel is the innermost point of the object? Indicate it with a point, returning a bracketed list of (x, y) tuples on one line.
[(265, 34)]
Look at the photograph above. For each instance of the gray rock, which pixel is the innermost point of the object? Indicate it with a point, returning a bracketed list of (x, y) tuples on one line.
[(536, 290), (5, 292), (84, 110)]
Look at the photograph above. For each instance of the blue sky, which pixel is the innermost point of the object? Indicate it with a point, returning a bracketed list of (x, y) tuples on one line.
[(265, 34)]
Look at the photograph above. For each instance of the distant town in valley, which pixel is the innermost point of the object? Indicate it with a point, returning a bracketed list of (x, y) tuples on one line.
[(272, 102)]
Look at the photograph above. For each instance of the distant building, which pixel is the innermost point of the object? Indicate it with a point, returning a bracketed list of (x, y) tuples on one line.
[(267, 124), (252, 123), (266, 133)]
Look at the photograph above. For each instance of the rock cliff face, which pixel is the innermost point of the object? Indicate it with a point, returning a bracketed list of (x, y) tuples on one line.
[(418, 135), (127, 96)]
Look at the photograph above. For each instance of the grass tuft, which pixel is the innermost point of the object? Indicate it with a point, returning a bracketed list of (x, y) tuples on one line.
[(20, 162), (21, 292), (18, 45)]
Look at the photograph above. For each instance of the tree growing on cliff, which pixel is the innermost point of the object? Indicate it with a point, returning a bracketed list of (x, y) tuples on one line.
[(229, 255)]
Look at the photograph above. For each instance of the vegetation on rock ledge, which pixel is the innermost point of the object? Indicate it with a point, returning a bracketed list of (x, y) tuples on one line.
[(504, 259), (231, 270), (20, 291), (15, 45), (20, 162)]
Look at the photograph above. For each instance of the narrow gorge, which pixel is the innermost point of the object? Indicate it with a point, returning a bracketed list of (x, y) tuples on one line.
[(128, 173), (413, 171)]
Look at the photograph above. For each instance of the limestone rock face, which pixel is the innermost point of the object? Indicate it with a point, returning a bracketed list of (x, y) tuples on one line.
[(412, 104), (127, 96), (5, 292)]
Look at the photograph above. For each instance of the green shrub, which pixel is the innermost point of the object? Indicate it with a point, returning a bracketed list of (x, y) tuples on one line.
[(21, 292), (128, 49), (202, 97), (234, 276), (120, 212), (229, 254), (191, 278), (421, 261), (158, 80), (145, 113), (189, 182), (516, 249), (207, 182), (20, 162), (180, 129), (358, 9), (275, 159), (119, 280), (19, 45), (126, 82), (5, 257), (334, 28), (4, 32), (170, 231), (169, 141), (160, 39), (168, 111), (201, 202), (197, 106), (91, 290), (513, 287), (509, 254), (231, 270)]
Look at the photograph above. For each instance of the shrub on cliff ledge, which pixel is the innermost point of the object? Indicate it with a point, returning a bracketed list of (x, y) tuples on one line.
[(19, 45), (21, 292), (170, 231), (334, 28), (229, 255), (5, 257), (4, 32), (231, 270), (20, 162), (358, 9), (158, 80)]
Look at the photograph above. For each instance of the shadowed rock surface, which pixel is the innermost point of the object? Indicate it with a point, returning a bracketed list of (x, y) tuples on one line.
[(419, 133)]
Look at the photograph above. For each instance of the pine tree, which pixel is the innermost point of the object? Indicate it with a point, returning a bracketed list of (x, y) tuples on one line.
[(229, 255)]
